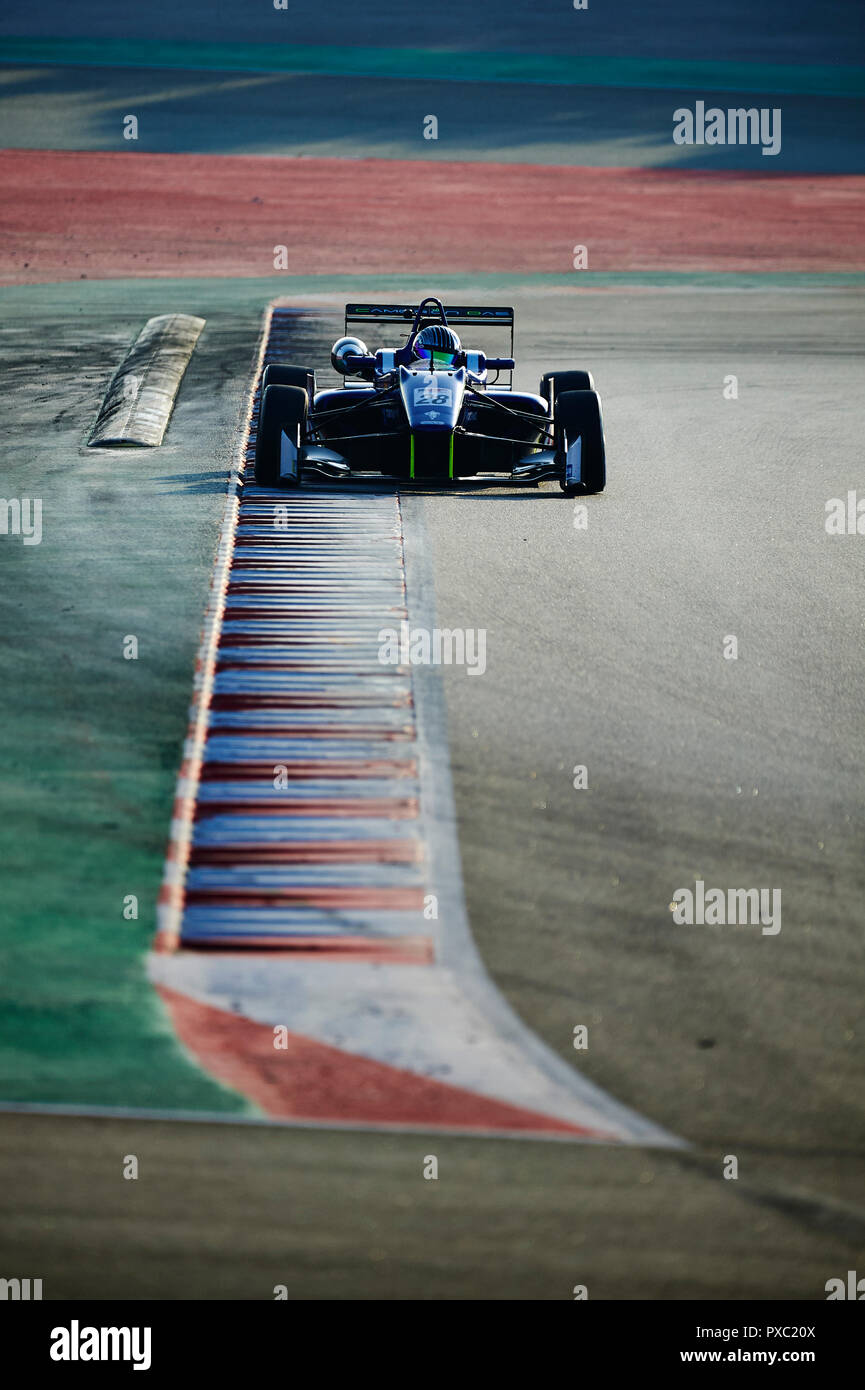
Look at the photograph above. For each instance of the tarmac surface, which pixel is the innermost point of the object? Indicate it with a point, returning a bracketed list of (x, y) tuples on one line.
[(604, 649)]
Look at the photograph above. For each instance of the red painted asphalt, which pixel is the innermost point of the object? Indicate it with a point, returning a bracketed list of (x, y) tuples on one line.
[(71, 215), (309, 1080)]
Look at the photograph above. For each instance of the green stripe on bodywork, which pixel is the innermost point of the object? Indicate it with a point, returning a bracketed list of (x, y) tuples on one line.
[(443, 65), (411, 457), (451, 457)]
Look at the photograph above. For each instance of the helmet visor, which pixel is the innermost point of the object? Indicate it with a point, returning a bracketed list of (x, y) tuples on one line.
[(440, 356)]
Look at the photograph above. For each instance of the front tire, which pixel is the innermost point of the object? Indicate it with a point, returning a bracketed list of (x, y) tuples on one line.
[(281, 431), (556, 383), (579, 432), (279, 375)]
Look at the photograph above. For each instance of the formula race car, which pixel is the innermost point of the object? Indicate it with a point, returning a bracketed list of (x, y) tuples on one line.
[(428, 410)]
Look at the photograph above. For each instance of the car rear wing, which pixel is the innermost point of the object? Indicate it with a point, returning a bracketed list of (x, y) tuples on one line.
[(458, 316)]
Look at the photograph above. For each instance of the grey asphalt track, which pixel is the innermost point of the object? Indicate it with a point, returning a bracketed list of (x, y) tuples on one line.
[(605, 649), (608, 642)]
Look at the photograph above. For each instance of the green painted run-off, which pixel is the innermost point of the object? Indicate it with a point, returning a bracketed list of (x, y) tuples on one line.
[(441, 64)]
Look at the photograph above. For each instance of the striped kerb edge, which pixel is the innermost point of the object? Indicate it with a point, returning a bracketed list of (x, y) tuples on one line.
[(301, 950)]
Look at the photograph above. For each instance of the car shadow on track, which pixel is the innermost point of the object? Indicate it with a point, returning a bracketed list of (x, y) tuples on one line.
[(195, 482)]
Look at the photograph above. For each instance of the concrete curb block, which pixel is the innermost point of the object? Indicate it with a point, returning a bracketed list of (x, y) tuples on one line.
[(140, 397)]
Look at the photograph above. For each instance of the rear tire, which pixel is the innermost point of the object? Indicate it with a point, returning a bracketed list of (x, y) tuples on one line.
[(556, 383), (578, 416), (281, 431)]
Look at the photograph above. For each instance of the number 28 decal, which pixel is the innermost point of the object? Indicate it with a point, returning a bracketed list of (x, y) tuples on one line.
[(432, 395)]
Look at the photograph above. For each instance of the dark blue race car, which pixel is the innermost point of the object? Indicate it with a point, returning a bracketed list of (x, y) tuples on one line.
[(428, 410)]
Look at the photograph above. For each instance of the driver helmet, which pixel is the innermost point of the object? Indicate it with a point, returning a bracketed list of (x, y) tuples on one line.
[(438, 342)]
